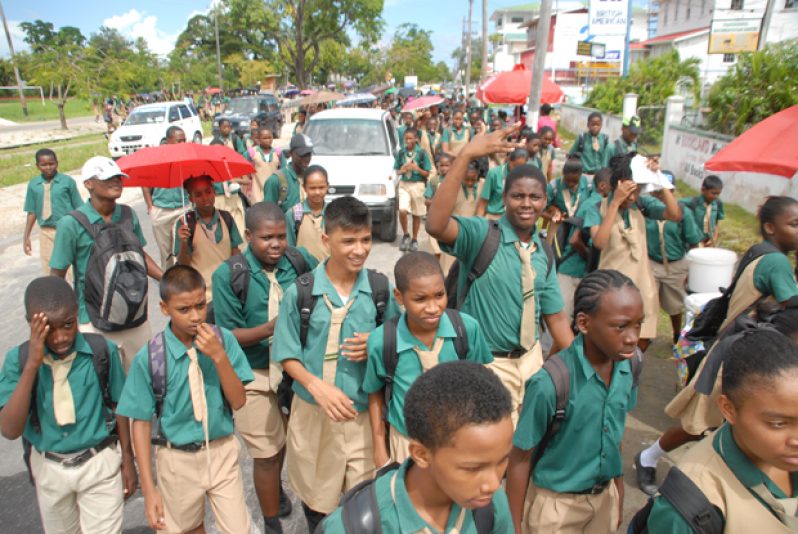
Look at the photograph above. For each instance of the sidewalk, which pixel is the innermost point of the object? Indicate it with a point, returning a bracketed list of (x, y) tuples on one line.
[(44, 131)]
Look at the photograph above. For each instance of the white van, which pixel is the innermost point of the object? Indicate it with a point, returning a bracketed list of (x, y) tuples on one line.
[(146, 126), (358, 147)]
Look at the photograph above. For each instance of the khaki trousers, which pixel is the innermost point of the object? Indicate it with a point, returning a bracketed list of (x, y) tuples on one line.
[(163, 225), (185, 479), (259, 421), (568, 513), (128, 341), (514, 374), (46, 241), (325, 458), (87, 499)]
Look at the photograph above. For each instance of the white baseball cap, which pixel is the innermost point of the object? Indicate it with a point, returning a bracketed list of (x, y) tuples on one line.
[(101, 168)]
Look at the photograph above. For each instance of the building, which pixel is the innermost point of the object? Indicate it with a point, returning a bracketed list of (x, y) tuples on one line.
[(508, 25)]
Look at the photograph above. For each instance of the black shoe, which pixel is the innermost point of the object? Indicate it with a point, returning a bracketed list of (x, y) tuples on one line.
[(313, 518), (646, 477), (285, 504), (272, 525)]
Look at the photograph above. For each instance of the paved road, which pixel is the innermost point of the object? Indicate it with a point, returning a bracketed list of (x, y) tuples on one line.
[(45, 125)]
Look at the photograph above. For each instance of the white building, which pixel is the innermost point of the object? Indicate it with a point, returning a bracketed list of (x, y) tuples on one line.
[(508, 23)]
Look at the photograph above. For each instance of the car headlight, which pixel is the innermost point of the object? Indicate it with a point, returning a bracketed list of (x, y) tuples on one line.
[(377, 190)]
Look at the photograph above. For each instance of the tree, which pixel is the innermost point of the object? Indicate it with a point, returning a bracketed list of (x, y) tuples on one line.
[(459, 57), (411, 53), (757, 86)]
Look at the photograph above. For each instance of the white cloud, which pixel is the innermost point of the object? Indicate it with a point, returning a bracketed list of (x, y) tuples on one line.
[(135, 24), (17, 36)]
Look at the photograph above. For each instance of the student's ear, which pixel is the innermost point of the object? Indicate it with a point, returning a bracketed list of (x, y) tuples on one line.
[(398, 296), (247, 235), (582, 321), (325, 239), (770, 229), (420, 454), (727, 408), (164, 309)]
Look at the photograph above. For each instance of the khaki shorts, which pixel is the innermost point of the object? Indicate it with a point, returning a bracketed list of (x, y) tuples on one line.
[(670, 284), (411, 198), (568, 285), (185, 479), (128, 341), (514, 374), (570, 513), (259, 421), (400, 446)]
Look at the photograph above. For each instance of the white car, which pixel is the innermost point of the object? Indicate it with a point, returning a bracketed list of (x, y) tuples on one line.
[(146, 126), (358, 147)]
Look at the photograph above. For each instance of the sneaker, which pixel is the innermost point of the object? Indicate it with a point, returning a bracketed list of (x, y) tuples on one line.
[(413, 246), (405, 243), (285, 504), (646, 478), (272, 525)]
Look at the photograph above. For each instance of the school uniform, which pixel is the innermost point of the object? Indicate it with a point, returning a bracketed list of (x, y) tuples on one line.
[(212, 244), (413, 359), (400, 131), (50, 201), (325, 458), (266, 164), (457, 139), (748, 500), (412, 185), (89, 496), (627, 250), (668, 244), (493, 192), (259, 421), (496, 299), (572, 488), (534, 159), (430, 142), (769, 277), (547, 157), (310, 231), (73, 245), (706, 215), (293, 195), (188, 469), (227, 199), (398, 515), (593, 151), (167, 206), (620, 147), (465, 206)]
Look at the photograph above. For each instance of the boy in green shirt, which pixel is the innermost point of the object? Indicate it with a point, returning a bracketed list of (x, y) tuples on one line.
[(592, 146), (407, 122), (283, 187), (413, 167), (424, 336), (49, 197), (203, 372), (707, 209), (458, 420), (323, 348), (627, 142), (259, 421), (51, 395), (491, 203)]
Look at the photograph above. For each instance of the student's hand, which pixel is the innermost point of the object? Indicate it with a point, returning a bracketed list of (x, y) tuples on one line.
[(130, 478), (38, 336), (624, 190), (209, 344), (183, 233), (153, 509), (485, 145), (381, 457), (26, 246), (354, 348), (333, 401)]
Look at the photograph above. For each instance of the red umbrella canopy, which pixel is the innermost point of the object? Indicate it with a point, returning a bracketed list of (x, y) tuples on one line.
[(768, 147), (513, 88), (170, 165), (423, 102)]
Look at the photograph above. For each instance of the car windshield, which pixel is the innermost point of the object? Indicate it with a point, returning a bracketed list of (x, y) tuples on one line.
[(347, 137), (146, 116), (242, 106)]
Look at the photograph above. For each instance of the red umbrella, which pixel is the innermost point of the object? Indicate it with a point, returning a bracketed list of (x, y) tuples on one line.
[(213, 90), (423, 102), (307, 92), (513, 88), (768, 147)]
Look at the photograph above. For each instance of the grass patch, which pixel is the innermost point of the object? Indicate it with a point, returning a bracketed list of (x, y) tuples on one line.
[(12, 110), (18, 164)]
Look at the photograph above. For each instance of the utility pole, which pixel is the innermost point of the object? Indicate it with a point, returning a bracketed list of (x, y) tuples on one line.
[(16, 69), (218, 51), (763, 32), (539, 68), (483, 72), (468, 52)]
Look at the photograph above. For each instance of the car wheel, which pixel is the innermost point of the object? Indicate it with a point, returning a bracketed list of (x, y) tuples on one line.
[(163, 141), (387, 232), (197, 138)]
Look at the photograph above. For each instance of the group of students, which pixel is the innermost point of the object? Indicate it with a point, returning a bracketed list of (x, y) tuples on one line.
[(329, 370)]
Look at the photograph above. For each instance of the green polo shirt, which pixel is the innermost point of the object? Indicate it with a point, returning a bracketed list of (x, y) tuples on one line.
[(290, 224), (400, 515), (419, 156), (680, 237), (493, 190), (450, 134), (400, 131), (573, 263), (408, 367), (271, 189), (495, 298), (774, 276), (664, 519), (555, 196), (434, 139), (89, 428), (64, 197), (230, 313), (620, 147), (177, 418), (592, 160), (700, 211), (586, 450), (235, 237), (171, 198), (652, 208), (73, 246), (360, 318)]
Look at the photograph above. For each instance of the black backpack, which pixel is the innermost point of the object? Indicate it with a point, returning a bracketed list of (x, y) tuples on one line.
[(240, 275), (483, 260), (360, 511), (102, 367), (191, 222), (116, 282), (688, 500), (697, 200), (561, 377)]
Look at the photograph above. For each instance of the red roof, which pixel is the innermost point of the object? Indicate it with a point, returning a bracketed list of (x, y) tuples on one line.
[(673, 36), (637, 46)]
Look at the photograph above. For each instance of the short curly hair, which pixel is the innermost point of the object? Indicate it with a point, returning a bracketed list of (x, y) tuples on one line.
[(450, 396)]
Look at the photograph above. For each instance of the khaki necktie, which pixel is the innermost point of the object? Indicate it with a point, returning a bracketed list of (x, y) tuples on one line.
[(196, 384), (337, 316), (707, 216), (63, 402), (47, 207), (662, 249), (275, 297), (528, 326), (595, 144), (429, 358)]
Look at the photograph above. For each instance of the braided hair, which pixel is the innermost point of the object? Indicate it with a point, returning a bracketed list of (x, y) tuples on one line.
[(621, 167), (587, 298)]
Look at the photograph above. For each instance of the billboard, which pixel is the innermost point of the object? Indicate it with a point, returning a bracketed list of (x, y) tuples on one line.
[(608, 17), (733, 35)]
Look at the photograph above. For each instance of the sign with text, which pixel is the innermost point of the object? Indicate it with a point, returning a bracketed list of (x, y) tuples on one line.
[(734, 35), (608, 17), (584, 48)]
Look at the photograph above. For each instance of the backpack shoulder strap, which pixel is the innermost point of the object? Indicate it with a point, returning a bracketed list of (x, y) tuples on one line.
[(157, 355), (298, 214), (84, 222), (390, 358), (305, 302), (561, 377), (461, 336), (637, 367), (694, 202), (228, 220), (126, 215), (360, 511), (691, 503), (297, 260), (483, 260), (544, 243), (580, 143), (750, 256), (283, 179), (22, 355), (102, 364), (379, 293), (483, 519), (239, 277)]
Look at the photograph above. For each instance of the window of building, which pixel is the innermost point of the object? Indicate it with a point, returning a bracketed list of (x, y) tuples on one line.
[(790, 4), (676, 11), (499, 22), (517, 20), (737, 4), (728, 58)]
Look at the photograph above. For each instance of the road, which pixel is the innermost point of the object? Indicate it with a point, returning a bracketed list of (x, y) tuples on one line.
[(45, 125)]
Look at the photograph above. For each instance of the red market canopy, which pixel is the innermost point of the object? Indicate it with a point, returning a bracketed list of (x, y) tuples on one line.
[(768, 147), (513, 88)]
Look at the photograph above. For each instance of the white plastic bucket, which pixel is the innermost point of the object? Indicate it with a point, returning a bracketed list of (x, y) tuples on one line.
[(710, 269)]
